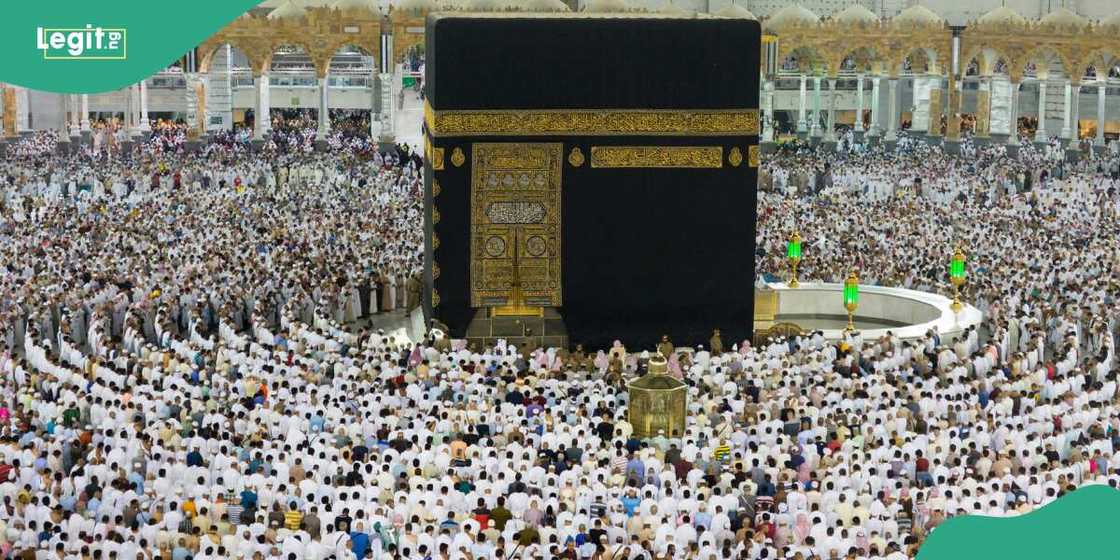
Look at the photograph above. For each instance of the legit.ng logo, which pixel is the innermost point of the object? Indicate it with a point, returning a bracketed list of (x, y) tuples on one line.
[(88, 43)]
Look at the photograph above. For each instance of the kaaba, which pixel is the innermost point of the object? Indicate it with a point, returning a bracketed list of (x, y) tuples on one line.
[(592, 175)]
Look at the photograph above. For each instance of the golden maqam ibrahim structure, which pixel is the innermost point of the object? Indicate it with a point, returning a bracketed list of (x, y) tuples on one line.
[(912, 70), (658, 402)]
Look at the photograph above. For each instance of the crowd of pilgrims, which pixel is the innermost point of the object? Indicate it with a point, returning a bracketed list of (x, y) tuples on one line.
[(290, 132), (185, 373)]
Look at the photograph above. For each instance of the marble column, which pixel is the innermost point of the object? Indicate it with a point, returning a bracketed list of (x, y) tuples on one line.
[(830, 134), (202, 117), (984, 108), (802, 124), (876, 107), (373, 116), (1075, 114), (257, 132), (23, 110), (75, 117), (1102, 91), (134, 97), (1040, 135), (1013, 136), (263, 124), (324, 107), (85, 113), (892, 112), (266, 102), (190, 94), (129, 116), (768, 105), (63, 121), (815, 129), (145, 126), (936, 107), (859, 103), (1067, 102), (953, 129), (388, 123)]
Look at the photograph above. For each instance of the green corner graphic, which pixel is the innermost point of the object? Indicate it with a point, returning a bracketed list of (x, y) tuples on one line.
[(1077, 525), (154, 36)]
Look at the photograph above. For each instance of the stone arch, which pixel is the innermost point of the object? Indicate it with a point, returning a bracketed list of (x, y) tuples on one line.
[(350, 66), (1047, 59), (808, 59), (217, 97), (240, 57), (989, 60), (321, 59), (1096, 63), (972, 66), (348, 49), (288, 54), (413, 54), (917, 60), (352, 60), (403, 21), (863, 58), (210, 49)]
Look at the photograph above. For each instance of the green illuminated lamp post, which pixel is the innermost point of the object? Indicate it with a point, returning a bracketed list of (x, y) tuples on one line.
[(957, 277), (851, 298), (793, 255)]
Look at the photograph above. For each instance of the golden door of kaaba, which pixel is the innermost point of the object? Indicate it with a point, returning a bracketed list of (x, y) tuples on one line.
[(515, 223)]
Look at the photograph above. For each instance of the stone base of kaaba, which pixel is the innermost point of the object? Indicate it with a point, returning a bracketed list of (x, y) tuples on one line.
[(546, 331)]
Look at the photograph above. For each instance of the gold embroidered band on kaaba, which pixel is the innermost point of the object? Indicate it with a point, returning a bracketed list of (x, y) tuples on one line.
[(696, 157), (592, 122)]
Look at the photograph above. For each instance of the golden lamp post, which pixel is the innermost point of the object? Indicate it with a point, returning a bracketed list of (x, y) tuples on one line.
[(793, 255), (851, 298), (957, 277)]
